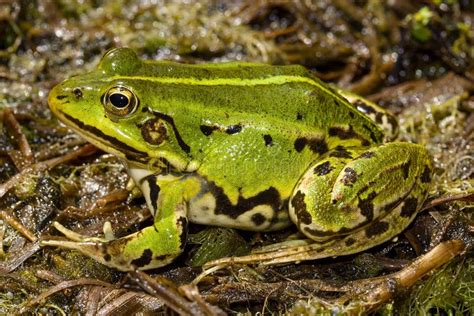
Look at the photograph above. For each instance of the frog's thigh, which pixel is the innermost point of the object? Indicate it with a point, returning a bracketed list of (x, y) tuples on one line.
[(384, 119), (368, 195)]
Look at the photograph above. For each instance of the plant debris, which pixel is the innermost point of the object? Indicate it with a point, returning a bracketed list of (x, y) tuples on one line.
[(415, 58)]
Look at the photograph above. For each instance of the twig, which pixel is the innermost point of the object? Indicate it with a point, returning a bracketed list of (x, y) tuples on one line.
[(44, 165), (62, 286), (372, 293), (128, 302), (26, 154), (15, 261), (192, 293), (469, 197), (167, 291), (49, 276), (17, 225)]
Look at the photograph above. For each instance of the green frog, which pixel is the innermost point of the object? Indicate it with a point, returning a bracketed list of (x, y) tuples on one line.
[(242, 145)]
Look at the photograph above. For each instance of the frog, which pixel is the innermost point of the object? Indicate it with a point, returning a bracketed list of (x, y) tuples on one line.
[(249, 146)]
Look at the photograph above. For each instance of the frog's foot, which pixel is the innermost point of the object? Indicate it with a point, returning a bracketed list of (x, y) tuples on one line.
[(303, 250), (132, 252)]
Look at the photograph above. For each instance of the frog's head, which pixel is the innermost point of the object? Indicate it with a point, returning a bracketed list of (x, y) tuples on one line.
[(106, 107)]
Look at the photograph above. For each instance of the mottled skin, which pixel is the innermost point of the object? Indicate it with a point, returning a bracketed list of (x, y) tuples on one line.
[(242, 145)]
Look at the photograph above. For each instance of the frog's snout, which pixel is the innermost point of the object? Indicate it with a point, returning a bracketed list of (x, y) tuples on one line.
[(57, 97), (61, 95)]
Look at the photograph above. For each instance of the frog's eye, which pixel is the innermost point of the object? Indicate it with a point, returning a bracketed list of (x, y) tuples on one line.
[(120, 101)]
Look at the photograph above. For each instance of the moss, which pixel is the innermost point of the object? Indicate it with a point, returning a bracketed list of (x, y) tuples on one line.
[(449, 290)]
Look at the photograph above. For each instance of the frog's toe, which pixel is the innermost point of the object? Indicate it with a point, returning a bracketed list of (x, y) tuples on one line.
[(69, 234), (93, 249), (289, 253)]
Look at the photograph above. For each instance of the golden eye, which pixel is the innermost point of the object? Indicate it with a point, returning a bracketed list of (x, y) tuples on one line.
[(120, 101)]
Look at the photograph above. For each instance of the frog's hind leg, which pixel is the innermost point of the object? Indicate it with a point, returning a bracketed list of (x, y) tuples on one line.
[(151, 247), (351, 200), (380, 116)]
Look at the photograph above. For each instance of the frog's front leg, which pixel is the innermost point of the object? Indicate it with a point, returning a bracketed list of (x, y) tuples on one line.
[(351, 200), (153, 246)]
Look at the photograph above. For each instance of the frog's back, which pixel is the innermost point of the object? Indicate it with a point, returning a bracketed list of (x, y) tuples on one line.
[(288, 99), (263, 93)]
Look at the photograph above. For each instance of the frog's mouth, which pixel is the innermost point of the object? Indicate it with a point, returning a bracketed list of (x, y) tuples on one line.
[(104, 142)]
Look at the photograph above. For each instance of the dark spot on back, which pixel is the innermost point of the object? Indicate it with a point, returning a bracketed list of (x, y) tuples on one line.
[(365, 188), (233, 129), (268, 140), (367, 206), (342, 133), (426, 175), (352, 115), (207, 130), (299, 205), (349, 133), (323, 169), (340, 152), (367, 154), (350, 177), (376, 228), (300, 142), (144, 259), (409, 207), (299, 117), (317, 145), (258, 219)]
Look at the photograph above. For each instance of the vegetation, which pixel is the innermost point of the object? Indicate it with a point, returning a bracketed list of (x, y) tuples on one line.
[(415, 58)]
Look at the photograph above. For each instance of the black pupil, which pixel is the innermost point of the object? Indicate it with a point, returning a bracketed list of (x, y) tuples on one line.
[(118, 100)]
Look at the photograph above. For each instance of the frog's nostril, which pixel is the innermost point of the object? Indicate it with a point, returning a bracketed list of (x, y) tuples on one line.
[(77, 92)]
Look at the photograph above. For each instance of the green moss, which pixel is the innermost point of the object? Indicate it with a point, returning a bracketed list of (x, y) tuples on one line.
[(419, 24), (448, 291), (216, 242)]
